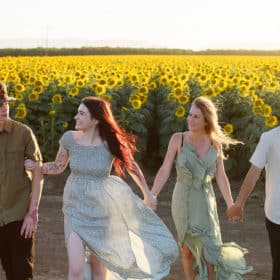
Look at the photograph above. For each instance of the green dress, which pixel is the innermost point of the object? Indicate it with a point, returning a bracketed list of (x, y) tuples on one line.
[(194, 211), (114, 224)]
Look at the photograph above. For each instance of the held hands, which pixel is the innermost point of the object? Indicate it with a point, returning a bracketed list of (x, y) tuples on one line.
[(151, 201), (235, 213), (29, 225), (30, 164)]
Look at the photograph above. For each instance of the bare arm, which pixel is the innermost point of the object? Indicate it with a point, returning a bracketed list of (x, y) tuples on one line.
[(31, 218), (236, 211), (140, 180), (223, 182), (165, 169), (248, 184), (60, 163)]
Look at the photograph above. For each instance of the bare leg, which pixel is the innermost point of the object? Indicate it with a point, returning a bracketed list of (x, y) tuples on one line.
[(76, 257), (187, 260), (97, 268), (210, 267), (210, 271)]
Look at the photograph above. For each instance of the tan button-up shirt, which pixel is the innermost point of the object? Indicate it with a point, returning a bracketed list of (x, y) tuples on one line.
[(17, 143)]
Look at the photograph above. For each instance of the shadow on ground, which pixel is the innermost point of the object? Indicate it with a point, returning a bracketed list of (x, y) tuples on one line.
[(51, 260)]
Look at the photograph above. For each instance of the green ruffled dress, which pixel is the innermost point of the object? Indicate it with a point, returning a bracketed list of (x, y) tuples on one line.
[(194, 211)]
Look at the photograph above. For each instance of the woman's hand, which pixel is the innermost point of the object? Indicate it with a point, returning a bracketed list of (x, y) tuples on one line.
[(235, 213), (151, 201), (30, 164)]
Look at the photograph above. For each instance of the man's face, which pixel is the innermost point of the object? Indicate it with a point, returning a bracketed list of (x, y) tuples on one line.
[(4, 111)]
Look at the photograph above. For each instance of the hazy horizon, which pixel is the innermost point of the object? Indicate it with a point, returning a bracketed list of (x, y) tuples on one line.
[(30, 43), (181, 24)]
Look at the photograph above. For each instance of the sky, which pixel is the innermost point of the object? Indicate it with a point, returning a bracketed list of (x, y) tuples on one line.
[(184, 24)]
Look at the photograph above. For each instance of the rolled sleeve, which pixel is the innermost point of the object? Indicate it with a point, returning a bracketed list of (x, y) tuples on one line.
[(260, 155), (32, 150)]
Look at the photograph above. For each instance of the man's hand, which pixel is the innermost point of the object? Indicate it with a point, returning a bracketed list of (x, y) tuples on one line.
[(235, 212), (29, 225)]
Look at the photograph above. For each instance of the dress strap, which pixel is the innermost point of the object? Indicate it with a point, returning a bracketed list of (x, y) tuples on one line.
[(182, 139)]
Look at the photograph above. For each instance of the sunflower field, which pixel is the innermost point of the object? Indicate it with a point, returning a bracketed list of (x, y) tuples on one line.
[(150, 96)]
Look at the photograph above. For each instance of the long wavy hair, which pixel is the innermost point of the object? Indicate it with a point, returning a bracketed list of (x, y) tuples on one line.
[(121, 144), (212, 128)]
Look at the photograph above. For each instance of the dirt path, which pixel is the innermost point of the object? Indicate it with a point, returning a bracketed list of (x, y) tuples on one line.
[(51, 261)]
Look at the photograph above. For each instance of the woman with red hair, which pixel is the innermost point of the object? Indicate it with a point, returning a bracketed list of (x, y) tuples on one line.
[(125, 238)]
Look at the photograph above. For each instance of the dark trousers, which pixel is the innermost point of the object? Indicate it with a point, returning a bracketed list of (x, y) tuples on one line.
[(274, 240), (16, 252)]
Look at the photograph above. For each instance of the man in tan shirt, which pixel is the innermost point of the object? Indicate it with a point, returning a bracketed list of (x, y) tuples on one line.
[(20, 194)]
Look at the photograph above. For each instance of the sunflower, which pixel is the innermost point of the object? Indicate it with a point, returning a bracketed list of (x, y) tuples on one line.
[(228, 129), (257, 110), (183, 77), (171, 97), (209, 92), (271, 121), (19, 96), (80, 83), (57, 98), (52, 112), (33, 96), (107, 97), (134, 79), (163, 80), (267, 110), (100, 89), (19, 88), (180, 112), (65, 124), (178, 92), (136, 104), (243, 91), (143, 90), (153, 85), (38, 89), (112, 82), (38, 83), (259, 103), (74, 91), (184, 99), (102, 82), (21, 112)]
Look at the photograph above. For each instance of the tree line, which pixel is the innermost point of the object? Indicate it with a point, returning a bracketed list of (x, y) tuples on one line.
[(40, 51)]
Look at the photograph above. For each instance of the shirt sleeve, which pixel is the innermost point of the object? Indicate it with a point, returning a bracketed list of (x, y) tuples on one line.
[(64, 141), (32, 150), (259, 157)]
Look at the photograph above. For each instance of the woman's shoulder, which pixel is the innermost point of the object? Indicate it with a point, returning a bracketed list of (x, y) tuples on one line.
[(67, 138), (176, 138), (68, 134)]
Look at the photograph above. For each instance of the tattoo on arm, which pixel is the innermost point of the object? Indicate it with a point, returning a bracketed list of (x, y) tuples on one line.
[(58, 165)]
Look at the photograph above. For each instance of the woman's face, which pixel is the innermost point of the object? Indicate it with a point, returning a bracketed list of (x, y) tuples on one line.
[(83, 118), (195, 119)]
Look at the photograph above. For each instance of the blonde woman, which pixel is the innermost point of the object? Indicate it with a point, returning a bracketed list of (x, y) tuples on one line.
[(199, 157)]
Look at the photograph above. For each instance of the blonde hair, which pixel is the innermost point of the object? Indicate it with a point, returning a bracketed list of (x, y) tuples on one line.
[(213, 129)]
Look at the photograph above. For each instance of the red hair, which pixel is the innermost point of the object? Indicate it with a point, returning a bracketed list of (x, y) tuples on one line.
[(121, 144)]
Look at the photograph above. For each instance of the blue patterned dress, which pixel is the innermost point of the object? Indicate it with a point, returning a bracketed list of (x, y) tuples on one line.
[(114, 224)]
